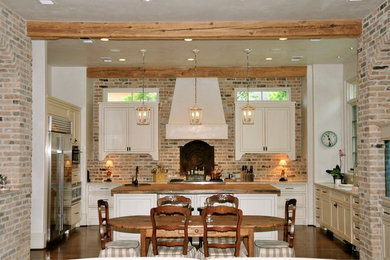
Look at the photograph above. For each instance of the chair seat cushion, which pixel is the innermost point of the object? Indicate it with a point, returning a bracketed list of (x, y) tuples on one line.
[(271, 243), (119, 252), (172, 251), (222, 252), (123, 244), (274, 252)]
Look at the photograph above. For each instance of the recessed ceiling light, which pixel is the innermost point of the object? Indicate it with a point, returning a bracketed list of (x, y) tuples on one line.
[(122, 59), (190, 59), (86, 40), (147, 0), (354, 0), (283, 39), (296, 58), (46, 2), (351, 48), (268, 58), (106, 59), (315, 40), (188, 40), (115, 50), (104, 39), (338, 57)]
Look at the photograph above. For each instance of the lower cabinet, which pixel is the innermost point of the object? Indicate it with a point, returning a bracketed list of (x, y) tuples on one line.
[(296, 191), (95, 192), (337, 211), (386, 229)]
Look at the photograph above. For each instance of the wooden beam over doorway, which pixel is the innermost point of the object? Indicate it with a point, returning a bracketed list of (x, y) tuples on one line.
[(195, 30), (174, 72)]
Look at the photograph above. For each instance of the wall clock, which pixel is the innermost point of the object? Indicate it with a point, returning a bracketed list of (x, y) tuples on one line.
[(329, 138)]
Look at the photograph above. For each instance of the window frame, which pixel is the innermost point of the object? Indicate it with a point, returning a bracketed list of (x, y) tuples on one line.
[(350, 102), (262, 90), (130, 90)]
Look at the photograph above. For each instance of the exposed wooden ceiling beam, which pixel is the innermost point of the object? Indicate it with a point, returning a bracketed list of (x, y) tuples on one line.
[(173, 72), (195, 30)]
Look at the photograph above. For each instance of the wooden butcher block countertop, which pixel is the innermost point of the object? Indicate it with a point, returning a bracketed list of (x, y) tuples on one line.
[(192, 188)]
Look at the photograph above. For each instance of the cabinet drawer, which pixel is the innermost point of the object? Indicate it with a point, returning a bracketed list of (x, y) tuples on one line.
[(291, 187), (355, 201), (340, 196), (76, 176)]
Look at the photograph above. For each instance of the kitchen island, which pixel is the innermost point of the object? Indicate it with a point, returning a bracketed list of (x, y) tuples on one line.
[(254, 199)]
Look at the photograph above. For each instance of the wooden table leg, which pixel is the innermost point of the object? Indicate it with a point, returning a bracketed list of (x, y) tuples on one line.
[(143, 243), (251, 243)]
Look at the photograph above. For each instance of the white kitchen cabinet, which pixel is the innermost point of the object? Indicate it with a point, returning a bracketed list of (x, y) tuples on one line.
[(120, 133), (95, 192), (296, 191), (337, 211), (255, 204), (273, 130), (130, 205), (66, 111)]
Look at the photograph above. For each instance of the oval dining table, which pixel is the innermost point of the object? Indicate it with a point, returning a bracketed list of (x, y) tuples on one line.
[(143, 225)]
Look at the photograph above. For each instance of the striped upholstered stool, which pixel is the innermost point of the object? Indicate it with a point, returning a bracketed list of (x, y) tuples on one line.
[(121, 248), (280, 248), (216, 252), (109, 248)]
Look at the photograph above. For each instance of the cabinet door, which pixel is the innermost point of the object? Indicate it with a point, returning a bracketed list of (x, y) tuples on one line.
[(326, 208), (140, 136), (252, 136), (115, 128), (76, 127), (344, 220), (277, 129)]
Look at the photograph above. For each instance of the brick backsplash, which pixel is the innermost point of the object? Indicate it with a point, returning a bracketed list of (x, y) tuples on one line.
[(265, 165), (15, 133), (373, 110)]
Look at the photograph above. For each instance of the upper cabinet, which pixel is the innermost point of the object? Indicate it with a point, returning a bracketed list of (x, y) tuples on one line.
[(66, 111), (273, 130), (120, 133)]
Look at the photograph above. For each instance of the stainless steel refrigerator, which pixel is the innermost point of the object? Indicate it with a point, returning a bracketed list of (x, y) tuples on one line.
[(59, 158)]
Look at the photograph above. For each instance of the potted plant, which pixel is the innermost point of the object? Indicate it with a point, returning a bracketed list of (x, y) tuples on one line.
[(336, 173), (3, 181)]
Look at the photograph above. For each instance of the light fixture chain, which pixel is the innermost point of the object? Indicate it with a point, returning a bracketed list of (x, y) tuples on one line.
[(196, 81), (143, 77)]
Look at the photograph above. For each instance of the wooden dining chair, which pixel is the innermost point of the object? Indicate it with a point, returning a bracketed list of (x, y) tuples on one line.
[(109, 248), (222, 199), (170, 232), (280, 248), (174, 200), (221, 233)]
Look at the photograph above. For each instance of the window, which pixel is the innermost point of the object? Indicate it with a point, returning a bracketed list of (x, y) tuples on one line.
[(351, 124), (274, 94), (130, 95)]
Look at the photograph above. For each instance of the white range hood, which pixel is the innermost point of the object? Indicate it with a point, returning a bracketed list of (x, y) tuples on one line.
[(209, 97)]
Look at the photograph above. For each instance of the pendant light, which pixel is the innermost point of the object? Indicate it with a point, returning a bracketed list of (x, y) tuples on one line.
[(196, 112), (143, 112), (248, 111)]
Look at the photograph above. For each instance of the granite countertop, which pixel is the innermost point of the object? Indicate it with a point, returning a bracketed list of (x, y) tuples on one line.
[(248, 188), (338, 188)]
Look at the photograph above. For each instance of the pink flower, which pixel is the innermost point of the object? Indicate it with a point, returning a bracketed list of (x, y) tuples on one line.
[(341, 153)]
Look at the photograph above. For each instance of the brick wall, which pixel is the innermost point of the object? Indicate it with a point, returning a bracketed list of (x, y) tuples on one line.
[(265, 166), (373, 110), (15, 135)]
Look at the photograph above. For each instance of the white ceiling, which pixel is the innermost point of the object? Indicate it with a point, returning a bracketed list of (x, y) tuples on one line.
[(212, 53)]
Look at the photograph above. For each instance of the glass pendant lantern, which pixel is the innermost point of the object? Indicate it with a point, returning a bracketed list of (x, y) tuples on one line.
[(248, 111), (143, 112), (196, 112)]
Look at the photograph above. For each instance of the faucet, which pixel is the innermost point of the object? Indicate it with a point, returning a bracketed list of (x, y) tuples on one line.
[(135, 180)]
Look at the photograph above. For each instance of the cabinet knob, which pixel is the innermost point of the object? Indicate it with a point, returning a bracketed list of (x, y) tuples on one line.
[(335, 205)]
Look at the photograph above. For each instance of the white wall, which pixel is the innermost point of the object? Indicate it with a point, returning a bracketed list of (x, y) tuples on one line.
[(39, 170), (327, 91), (70, 85)]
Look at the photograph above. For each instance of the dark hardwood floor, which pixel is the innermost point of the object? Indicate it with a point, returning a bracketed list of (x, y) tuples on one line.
[(84, 242)]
